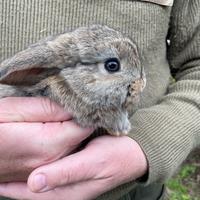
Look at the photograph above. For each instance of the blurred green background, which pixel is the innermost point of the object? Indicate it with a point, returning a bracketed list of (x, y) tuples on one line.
[(185, 185)]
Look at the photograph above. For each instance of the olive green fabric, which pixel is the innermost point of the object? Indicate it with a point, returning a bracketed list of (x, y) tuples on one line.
[(4, 198), (167, 124)]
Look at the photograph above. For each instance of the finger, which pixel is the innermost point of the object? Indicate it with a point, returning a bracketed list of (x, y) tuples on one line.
[(84, 190), (21, 191), (75, 168), (31, 109), (14, 190), (41, 137)]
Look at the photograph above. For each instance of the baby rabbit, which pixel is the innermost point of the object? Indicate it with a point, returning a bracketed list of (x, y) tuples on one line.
[(94, 72)]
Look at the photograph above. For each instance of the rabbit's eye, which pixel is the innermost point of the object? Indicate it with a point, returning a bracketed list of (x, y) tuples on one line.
[(112, 65)]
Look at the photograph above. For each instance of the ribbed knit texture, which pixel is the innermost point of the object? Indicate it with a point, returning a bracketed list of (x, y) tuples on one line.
[(26, 21), (167, 127)]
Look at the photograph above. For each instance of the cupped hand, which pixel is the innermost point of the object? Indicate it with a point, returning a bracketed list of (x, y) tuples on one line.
[(34, 132), (103, 164)]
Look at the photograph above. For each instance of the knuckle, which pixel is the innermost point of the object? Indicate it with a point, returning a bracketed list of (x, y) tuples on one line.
[(66, 175)]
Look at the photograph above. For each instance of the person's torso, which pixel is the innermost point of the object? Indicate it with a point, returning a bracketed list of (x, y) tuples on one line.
[(146, 22)]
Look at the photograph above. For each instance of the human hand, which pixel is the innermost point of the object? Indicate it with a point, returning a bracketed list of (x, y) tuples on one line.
[(103, 164), (26, 142)]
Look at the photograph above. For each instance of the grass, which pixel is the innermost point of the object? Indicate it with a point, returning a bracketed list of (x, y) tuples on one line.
[(186, 184)]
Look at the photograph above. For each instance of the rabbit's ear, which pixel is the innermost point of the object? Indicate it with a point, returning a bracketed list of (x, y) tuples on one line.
[(30, 66)]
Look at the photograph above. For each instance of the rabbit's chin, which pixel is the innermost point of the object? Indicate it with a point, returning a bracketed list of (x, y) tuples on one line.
[(115, 121)]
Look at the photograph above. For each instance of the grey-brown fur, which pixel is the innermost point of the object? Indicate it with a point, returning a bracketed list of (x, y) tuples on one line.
[(69, 68)]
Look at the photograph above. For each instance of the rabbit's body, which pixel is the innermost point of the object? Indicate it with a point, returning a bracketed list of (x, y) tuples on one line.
[(93, 72)]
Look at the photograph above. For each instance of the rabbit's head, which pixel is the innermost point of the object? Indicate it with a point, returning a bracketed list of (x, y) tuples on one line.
[(99, 64)]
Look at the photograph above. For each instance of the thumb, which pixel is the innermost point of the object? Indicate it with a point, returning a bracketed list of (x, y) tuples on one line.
[(71, 169)]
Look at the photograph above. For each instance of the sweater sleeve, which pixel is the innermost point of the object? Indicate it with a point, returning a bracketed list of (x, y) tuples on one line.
[(170, 130)]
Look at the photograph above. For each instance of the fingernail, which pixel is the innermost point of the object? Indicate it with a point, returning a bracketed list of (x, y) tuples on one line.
[(40, 183)]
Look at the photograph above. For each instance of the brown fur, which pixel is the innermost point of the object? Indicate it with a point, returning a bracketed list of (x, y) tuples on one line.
[(69, 69)]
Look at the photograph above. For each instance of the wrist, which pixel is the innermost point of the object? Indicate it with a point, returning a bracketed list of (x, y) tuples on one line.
[(138, 159)]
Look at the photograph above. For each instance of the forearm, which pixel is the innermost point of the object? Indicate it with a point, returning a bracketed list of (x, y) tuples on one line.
[(169, 131)]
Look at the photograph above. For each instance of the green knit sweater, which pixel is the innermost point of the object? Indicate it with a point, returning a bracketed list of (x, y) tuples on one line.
[(167, 125)]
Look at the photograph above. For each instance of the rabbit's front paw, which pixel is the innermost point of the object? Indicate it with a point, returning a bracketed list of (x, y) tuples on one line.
[(118, 133), (120, 128)]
